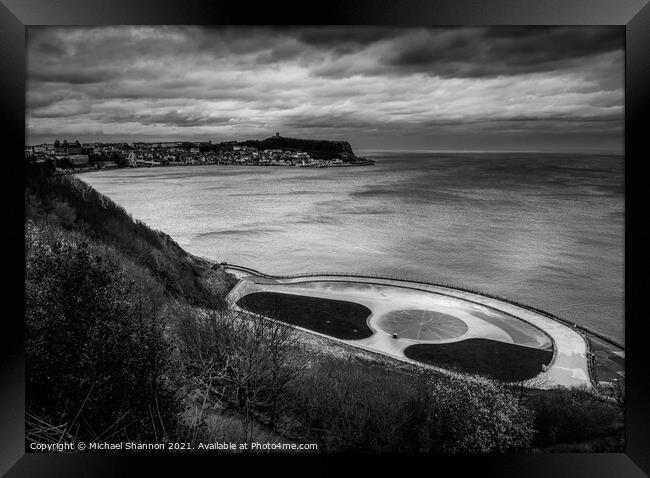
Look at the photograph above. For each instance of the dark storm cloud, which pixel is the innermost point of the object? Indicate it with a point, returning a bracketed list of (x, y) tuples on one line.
[(560, 41), (330, 121), (170, 118), (500, 50), (280, 53), (344, 40), (167, 116), (338, 82), (545, 45), (97, 75), (60, 109)]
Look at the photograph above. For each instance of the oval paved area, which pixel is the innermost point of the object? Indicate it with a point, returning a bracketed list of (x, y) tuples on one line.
[(422, 325), (486, 318)]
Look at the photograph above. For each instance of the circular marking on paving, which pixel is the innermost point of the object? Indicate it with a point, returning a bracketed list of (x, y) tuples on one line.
[(421, 325)]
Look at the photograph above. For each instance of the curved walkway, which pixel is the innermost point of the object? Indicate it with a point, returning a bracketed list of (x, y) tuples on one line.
[(569, 366)]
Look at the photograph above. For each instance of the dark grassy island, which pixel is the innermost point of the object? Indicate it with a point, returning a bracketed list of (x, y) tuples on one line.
[(499, 360), (338, 318)]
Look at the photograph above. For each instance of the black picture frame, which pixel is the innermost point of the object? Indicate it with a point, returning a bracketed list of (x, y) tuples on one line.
[(633, 15)]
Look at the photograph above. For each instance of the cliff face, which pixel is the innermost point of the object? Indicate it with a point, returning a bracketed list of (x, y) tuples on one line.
[(317, 148)]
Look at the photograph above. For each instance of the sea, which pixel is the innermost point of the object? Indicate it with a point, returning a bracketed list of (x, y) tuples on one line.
[(545, 229)]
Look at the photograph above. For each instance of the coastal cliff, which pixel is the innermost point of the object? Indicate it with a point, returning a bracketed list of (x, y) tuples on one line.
[(317, 148)]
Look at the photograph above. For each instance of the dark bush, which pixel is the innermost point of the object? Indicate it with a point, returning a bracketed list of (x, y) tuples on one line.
[(346, 406), (572, 415), (474, 417), (97, 359)]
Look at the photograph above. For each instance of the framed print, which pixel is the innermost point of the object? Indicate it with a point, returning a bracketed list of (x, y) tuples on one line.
[(280, 232)]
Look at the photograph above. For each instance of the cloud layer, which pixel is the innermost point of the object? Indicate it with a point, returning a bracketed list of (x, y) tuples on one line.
[(418, 88)]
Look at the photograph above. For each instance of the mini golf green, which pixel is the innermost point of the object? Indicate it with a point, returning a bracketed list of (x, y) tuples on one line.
[(338, 318)]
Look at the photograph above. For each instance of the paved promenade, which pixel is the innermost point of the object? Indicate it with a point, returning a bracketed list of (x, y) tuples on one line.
[(409, 305)]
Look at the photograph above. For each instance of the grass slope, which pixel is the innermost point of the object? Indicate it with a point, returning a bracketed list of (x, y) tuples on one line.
[(340, 319), (495, 359), (75, 206)]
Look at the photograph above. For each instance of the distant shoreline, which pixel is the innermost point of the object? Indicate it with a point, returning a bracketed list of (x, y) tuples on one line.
[(367, 162)]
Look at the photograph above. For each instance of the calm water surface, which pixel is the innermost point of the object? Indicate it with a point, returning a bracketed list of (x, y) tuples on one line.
[(545, 229)]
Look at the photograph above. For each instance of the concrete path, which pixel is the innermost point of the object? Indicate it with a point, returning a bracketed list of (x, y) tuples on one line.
[(484, 317)]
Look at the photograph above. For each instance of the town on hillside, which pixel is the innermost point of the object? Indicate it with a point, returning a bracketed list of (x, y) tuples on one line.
[(67, 157)]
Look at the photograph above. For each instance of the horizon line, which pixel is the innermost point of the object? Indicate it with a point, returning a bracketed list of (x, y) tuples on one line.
[(608, 151)]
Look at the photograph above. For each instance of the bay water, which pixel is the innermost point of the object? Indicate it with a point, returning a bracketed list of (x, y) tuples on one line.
[(545, 229)]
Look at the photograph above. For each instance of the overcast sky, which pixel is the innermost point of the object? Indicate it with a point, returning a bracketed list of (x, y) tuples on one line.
[(503, 88)]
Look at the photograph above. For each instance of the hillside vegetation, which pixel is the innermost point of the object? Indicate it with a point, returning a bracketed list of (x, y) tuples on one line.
[(70, 204), (99, 357)]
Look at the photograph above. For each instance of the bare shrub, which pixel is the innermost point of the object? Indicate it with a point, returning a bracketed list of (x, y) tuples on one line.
[(245, 361)]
